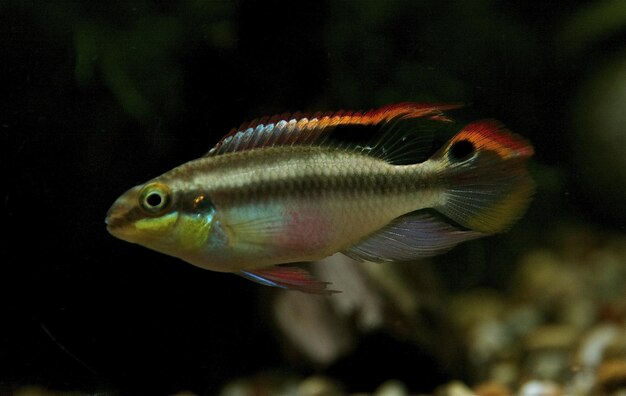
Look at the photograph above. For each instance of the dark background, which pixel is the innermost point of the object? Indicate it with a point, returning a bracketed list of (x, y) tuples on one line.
[(99, 96)]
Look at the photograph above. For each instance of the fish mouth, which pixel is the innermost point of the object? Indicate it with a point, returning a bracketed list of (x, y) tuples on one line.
[(117, 218), (114, 223), (121, 215)]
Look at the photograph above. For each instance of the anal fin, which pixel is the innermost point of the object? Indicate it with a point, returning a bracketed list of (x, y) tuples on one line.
[(413, 236), (291, 278)]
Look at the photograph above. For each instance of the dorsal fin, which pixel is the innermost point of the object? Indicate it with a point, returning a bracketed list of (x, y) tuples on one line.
[(316, 128)]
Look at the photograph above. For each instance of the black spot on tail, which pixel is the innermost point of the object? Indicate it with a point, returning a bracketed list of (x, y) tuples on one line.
[(461, 150)]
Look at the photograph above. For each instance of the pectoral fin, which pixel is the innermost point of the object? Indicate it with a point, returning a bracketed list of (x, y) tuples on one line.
[(291, 278)]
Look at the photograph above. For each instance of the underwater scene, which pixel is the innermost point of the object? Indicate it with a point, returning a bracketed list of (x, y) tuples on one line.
[(346, 197)]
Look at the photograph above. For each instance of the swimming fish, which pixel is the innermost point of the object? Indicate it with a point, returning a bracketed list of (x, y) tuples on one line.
[(374, 185)]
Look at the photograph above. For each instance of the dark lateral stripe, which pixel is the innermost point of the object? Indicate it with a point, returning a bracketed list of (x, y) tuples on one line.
[(381, 184)]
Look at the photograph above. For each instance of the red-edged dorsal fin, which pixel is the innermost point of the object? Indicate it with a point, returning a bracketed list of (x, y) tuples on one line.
[(312, 128)]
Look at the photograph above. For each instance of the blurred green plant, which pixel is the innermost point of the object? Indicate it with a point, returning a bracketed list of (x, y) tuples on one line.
[(136, 47), (137, 64), (592, 23), (382, 52)]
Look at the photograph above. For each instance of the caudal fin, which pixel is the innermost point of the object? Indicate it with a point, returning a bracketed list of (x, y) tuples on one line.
[(483, 168)]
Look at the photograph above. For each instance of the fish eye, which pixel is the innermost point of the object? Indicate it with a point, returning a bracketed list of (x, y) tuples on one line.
[(155, 198), (461, 150)]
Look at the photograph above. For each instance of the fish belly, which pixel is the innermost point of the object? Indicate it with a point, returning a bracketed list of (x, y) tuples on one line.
[(308, 229)]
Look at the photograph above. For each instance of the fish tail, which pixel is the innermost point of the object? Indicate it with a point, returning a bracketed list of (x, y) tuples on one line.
[(487, 186)]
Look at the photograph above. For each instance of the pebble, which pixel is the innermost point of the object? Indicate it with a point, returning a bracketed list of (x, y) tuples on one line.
[(391, 388), (454, 388), (310, 325), (318, 386), (492, 389), (611, 376), (540, 388), (595, 341), (557, 336)]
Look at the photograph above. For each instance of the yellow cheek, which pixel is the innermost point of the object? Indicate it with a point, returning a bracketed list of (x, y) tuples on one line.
[(192, 232), (156, 224)]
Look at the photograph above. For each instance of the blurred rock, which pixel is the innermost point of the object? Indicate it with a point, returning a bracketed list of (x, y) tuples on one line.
[(522, 318), (503, 372), (487, 340), (492, 389), (593, 344), (612, 376), (455, 388), (560, 330), (401, 299), (540, 388), (581, 382), (552, 337), (468, 309), (478, 314), (312, 327), (33, 390), (391, 388), (542, 278), (607, 270), (616, 348), (579, 314), (36, 390), (262, 385), (358, 298), (318, 386), (548, 349)]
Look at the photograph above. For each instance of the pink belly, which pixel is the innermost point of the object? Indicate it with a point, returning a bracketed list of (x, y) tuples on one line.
[(305, 230)]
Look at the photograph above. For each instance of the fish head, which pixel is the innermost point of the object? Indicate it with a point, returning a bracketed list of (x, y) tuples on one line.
[(146, 214), (160, 217)]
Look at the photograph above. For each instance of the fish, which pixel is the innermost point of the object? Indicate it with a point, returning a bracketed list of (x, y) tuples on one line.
[(378, 185)]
